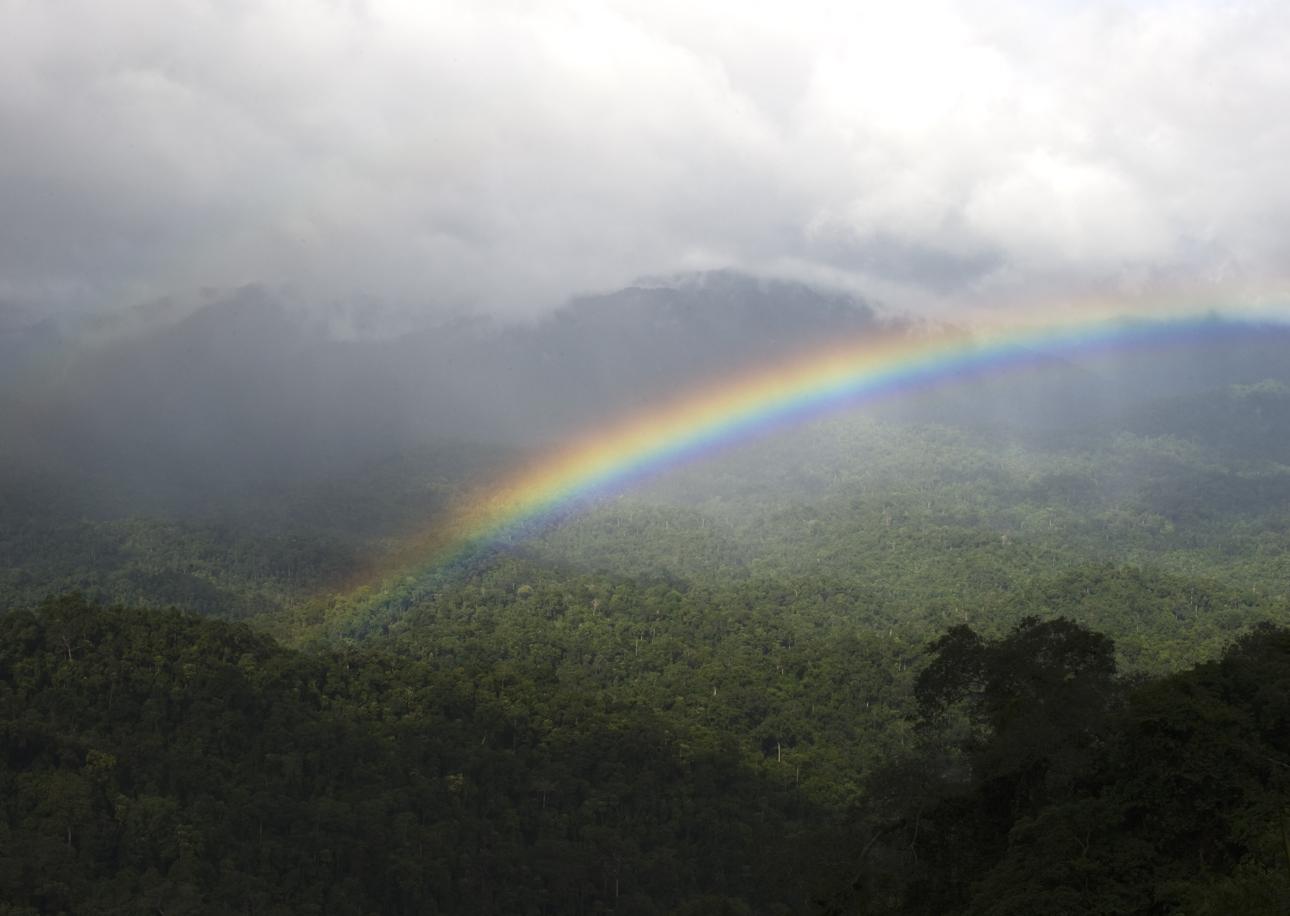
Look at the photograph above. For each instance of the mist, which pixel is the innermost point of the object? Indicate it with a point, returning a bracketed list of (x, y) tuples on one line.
[(251, 395)]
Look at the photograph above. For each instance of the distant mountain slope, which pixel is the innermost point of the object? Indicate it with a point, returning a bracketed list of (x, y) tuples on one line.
[(250, 391), (1249, 421)]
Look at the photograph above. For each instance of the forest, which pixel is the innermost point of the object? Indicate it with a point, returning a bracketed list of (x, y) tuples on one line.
[(193, 766), (937, 655)]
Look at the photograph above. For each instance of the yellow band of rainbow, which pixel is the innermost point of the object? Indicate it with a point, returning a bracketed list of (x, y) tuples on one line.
[(806, 386)]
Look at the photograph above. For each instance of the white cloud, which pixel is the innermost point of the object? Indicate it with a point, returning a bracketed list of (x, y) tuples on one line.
[(505, 155)]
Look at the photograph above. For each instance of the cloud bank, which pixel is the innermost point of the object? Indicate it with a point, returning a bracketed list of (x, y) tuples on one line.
[(502, 156)]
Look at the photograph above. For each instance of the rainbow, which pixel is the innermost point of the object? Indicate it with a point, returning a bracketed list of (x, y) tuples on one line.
[(803, 387)]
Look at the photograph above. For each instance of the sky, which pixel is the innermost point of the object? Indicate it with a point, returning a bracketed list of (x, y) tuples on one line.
[(500, 157)]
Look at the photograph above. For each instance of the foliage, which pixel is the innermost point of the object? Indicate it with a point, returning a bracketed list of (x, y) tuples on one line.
[(1080, 794), (162, 761)]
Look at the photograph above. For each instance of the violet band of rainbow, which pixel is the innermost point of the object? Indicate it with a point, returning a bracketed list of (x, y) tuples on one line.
[(807, 386)]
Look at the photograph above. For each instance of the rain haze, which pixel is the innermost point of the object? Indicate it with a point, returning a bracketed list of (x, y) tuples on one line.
[(254, 245), (498, 158)]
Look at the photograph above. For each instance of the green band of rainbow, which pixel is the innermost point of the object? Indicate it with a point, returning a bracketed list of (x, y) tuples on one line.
[(807, 386)]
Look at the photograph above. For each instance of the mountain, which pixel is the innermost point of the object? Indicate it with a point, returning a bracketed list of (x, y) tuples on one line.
[(1004, 646), (250, 390)]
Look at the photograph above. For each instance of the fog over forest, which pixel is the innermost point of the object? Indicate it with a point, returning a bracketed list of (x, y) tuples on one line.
[(253, 390)]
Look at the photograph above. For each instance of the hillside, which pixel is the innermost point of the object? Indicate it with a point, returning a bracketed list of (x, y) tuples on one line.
[(713, 691)]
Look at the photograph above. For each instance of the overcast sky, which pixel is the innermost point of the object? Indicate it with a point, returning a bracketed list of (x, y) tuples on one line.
[(504, 155)]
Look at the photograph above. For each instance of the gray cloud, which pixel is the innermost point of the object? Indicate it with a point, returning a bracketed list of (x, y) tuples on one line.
[(503, 155)]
